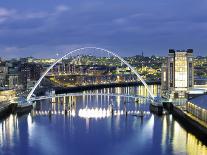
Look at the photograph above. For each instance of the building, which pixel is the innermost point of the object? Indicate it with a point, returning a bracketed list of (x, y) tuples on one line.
[(30, 72), (200, 83), (13, 81), (177, 73), (7, 95), (3, 75), (198, 107)]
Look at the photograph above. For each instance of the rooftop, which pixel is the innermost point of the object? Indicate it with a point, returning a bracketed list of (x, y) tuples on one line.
[(200, 101), (197, 90), (175, 51)]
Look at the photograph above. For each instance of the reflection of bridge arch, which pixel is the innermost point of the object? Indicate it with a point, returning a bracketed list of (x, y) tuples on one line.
[(96, 48)]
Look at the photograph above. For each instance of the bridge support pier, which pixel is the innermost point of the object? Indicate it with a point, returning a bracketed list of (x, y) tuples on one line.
[(66, 112), (156, 109)]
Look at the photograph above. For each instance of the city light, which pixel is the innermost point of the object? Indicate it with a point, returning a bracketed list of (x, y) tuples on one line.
[(103, 77)]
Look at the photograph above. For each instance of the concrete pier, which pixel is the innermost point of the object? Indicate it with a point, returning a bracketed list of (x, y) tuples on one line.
[(23, 109)]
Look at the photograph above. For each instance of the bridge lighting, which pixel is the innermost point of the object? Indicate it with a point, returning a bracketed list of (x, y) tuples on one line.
[(93, 113)]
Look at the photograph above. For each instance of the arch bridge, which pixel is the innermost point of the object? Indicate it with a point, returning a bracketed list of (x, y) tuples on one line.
[(31, 98)]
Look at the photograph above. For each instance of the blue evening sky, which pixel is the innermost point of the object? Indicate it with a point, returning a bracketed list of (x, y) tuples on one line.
[(41, 28)]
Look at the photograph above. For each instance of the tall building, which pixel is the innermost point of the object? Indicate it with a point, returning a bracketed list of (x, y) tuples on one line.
[(177, 73), (13, 81), (3, 74), (29, 72)]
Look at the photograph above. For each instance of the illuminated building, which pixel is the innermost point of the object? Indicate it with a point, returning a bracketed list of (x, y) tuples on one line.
[(13, 81), (200, 83), (177, 73), (3, 73), (6, 95), (198, 107), (29, 72)]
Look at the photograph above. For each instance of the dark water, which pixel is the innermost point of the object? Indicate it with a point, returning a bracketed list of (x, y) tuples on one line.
[(94, 131)]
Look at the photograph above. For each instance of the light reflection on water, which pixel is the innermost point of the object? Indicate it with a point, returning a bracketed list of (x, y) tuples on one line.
[(64, 134)]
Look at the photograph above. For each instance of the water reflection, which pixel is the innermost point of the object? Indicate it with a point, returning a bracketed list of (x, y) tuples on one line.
[(183, 142), (173, 135), (93, 130), (9, 130)]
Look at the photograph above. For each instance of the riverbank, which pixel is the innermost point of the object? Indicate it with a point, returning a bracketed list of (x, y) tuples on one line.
[(6, 109), (188, 121), (61, 90)]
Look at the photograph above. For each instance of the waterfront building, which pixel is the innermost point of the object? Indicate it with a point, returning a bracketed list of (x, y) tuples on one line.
[(177, 73), (7, 95), (201, 83), (3, 74), (198, 107)]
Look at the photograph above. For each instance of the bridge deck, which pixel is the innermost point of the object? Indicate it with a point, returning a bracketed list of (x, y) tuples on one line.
[(87, 94)]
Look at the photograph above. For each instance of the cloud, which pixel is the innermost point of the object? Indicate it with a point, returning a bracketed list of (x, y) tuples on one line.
[(27, 15), (33, 15), (135, 26), (120, 21), (6, 12), (62, 8)]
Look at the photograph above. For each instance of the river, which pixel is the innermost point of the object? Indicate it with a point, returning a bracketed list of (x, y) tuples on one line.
[(90, 130)]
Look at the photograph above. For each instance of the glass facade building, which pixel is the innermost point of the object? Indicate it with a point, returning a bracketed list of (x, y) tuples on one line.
[(177, 73)]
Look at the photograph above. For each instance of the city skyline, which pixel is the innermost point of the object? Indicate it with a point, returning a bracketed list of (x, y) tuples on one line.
[(105, 77), (59, 54), (28, 29)]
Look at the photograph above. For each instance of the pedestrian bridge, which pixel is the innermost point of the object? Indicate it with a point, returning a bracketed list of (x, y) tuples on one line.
[(135, 97), (84, 49)]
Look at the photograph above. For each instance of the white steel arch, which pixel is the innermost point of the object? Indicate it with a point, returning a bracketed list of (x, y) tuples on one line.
[(96, 48)]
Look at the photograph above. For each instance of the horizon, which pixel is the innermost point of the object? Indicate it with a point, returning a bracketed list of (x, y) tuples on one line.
[(137, 54)]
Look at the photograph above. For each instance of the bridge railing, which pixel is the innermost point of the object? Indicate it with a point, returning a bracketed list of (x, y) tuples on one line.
[(88, 94)]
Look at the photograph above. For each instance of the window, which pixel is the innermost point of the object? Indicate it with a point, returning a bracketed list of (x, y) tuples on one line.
[(181, 72)]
